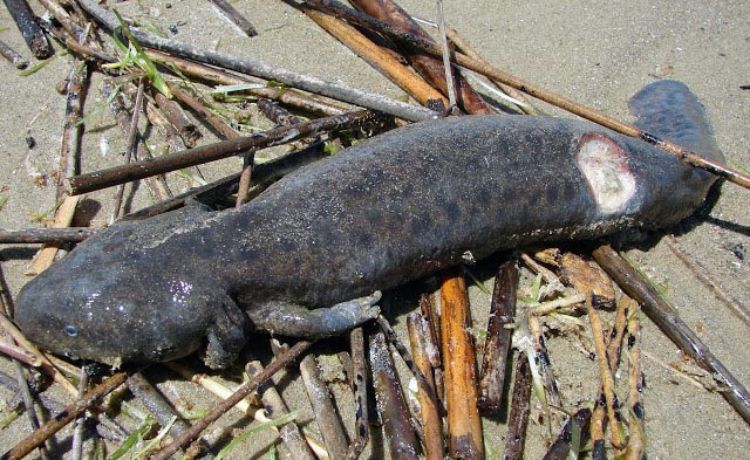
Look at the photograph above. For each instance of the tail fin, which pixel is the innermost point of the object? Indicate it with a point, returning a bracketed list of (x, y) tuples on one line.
[(668, 109)]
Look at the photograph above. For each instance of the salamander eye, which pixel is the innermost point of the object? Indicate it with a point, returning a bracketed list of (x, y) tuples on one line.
[(71, 331)]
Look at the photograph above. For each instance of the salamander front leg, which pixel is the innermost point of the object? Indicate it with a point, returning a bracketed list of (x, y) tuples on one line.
[(286, 318)]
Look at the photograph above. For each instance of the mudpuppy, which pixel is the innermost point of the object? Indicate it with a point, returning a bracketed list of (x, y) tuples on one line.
[(305, 257)]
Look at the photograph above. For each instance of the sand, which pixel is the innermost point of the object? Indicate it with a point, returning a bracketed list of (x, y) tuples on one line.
[(599, 53)]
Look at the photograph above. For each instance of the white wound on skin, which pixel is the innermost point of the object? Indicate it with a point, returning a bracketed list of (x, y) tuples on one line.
[(605, 167)]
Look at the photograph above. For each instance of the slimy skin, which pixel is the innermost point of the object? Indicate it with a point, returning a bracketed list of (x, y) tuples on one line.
[(392, 209)]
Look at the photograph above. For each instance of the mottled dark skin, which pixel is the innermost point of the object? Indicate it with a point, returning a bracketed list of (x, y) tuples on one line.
[(375, 216)]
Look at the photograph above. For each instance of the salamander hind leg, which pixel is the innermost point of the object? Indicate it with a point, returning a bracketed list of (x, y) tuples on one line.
[(287, 318), (226, 336)]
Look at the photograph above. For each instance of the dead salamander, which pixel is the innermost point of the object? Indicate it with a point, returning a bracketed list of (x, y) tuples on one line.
[(392, 209)]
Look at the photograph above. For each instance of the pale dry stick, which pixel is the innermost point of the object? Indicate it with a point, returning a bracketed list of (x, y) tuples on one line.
[(212, 152), (434, 341), (235, 17), (547, 275), (378, 58), (450, 81), (19, 354), (248, 387), (498, 342), (188, 132), (326, 415), (459, 363), (318, 105), (78, 431), (35, 439), (360, 385), (518, 419), (392, 409), (12, 56), (550, 97), (636, 428), (7, 308), (130, 145), (550, 306), (46, 364), (46, 255), (262, 70), (464, 46), (432, 431), (157, 185), (275, 407), (659, 311), (156, 404), (614, 349), (605, 375), (77, 84), (738, 307)]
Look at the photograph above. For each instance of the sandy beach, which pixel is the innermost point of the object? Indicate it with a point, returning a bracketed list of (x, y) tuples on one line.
[(597, 53)]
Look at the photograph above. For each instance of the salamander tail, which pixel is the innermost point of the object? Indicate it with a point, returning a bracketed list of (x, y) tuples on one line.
[(668, 109)]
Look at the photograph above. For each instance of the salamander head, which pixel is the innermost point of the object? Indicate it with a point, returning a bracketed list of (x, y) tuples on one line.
[(110, 300)]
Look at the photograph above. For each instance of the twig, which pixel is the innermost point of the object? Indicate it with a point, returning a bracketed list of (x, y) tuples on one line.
[(162, 411), (46, 255), (391, 406), (430, 407), (130, 144), (264, 174), (447, 67), (78, 431), (605, 374), (738, 307), (62, 16), (46, 235), (19, 354), (262, 70), (235, 17), (431, 68), (636, 440), (216, 76), (575, 433), (326, 415), (120, 174), (459, 364), (39, 436), (225, 131), (275, 407), (187, 130), (12, 56), (550, 97), (497, 344), (360, 383), (157, 185), (77, 85), (670, 323), (378, 58), (518, 419), (251, 385), (27, 25)]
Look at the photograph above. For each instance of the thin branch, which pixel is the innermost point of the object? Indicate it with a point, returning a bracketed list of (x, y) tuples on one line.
[(262, 70), (220, 409), (659, 311), (121, 174)]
